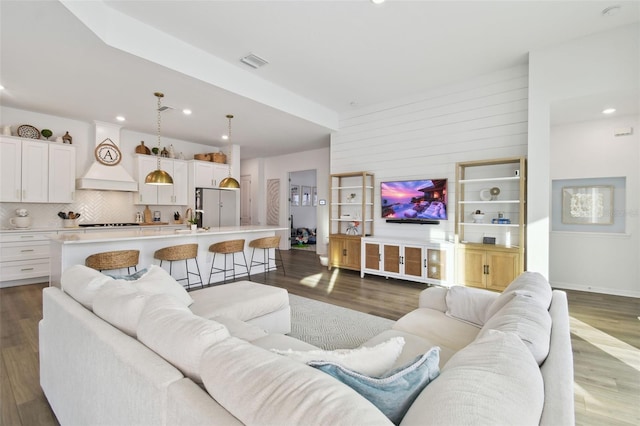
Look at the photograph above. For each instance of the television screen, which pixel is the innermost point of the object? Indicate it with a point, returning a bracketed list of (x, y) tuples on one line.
[(414, 200)]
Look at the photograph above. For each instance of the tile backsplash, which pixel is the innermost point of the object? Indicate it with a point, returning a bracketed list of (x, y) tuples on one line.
[(93, 206)]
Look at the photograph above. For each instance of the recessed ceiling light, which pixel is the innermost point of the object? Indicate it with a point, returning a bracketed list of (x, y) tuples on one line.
[(186, 111), (608, 111), (377, 1), (1, 87), (225, 137), (253, 60), (611, 10), (120, 118)]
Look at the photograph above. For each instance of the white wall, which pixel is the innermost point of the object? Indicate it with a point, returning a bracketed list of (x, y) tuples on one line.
[(597, 261), (279, 167), (97, 206), (422, 137), (602, 63)]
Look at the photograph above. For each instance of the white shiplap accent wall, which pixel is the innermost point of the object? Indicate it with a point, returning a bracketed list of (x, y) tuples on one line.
[(423, 136)]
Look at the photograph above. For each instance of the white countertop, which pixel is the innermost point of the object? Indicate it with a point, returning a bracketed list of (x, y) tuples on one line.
[(148, 234), (89, 228)]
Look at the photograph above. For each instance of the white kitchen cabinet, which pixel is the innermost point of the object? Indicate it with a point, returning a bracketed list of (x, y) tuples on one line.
[(25, 165), (206, 174), (421, 261), (147, 194), (175, 194), (62, 173), (24, 258)]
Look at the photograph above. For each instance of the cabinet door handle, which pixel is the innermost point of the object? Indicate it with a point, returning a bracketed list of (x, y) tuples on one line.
[(425, 263), (401, 260), (26, 236), (487, 269), (73, 195), (26, 250), (344, 252), (26, 269), (24, 194)]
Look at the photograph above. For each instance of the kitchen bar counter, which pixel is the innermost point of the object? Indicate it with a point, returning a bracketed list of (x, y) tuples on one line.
[(69, 249)]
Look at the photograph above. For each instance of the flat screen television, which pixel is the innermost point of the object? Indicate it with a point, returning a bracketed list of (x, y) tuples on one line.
[(414, 201)]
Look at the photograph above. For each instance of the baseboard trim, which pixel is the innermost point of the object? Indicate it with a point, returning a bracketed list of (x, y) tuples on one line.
[(591, 289)]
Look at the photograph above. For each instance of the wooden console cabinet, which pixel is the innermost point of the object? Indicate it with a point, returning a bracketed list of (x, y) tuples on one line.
[(491, 249), (420, 261)]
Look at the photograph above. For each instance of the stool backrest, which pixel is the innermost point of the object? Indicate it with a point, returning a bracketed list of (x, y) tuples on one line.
[(181, 252), (231, 246), (113, 259), (266, 242)]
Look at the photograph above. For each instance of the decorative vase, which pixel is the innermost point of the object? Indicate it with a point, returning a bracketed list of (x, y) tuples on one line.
[(194, 227)]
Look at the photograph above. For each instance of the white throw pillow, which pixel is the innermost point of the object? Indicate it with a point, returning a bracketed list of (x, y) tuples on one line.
[(157, 280), (121, 305), (82, 283), (171, 330), (371, 361), (492, 381), (469, 304), (526, 318), (530, 283), (262, 388)]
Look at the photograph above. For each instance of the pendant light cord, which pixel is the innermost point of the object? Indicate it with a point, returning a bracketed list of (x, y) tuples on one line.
[(229, 116)]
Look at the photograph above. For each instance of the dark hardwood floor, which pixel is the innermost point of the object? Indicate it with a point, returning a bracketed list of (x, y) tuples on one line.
[(605, 338)]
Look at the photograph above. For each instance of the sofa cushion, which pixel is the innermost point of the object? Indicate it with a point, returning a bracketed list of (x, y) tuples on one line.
[(157, 280), (241, 329), (469, 304), (435, 326), (394, 392), (371, 361), (413, 346), (526, 318), (262, 388), (82, 283), (530, 283), (120, 304), (243, 300), (170, 329), (493, 381)]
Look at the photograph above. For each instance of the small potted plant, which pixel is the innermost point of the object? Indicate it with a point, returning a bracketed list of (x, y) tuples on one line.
[(193, 222)]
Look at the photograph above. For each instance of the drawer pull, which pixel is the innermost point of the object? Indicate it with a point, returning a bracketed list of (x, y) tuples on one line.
[(26, 236), (26, 269), (26, 251)]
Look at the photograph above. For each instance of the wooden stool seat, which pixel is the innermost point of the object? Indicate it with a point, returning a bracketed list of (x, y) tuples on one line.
[(184, 252), (230, 247), (266, 244), (114, 260)]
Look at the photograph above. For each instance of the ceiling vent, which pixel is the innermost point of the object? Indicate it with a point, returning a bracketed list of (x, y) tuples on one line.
[(254, 61)]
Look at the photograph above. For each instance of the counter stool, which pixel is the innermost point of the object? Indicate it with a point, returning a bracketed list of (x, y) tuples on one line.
[(230, 247), (266, 244), (109, 260), (181, 252)]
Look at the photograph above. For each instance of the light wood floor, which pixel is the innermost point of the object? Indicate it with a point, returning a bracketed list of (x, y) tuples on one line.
[(605, 338)]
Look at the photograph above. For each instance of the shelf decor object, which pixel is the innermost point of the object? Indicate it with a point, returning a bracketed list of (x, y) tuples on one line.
[(159, 176), (229, 181), (591, 205)]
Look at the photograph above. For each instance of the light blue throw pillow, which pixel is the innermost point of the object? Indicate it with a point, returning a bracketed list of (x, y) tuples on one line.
[(132, 277), (394, 392)]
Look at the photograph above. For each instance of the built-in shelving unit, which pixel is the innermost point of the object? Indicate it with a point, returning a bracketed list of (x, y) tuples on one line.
[(351, 217), (490, 248)]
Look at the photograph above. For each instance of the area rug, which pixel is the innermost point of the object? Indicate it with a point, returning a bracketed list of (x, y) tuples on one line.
[(332, 327)]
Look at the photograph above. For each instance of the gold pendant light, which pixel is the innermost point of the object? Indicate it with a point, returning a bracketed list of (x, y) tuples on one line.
[(229, 182), (159, 177)]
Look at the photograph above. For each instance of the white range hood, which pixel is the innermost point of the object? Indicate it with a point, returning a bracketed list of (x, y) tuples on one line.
[(107, 178)]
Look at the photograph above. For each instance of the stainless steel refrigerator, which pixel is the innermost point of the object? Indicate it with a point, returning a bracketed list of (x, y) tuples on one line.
[(218, 207)]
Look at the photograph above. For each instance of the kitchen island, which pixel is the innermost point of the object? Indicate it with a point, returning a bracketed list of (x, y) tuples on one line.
[(73, 249)]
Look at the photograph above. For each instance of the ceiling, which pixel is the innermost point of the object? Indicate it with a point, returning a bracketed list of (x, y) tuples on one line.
[(95, 60)]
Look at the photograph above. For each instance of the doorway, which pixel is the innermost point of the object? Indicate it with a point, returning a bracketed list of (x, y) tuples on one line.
[(303, 202)]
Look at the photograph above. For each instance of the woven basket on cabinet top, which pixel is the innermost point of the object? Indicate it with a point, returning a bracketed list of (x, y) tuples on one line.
[(202, 157), (218, 157), (113, 259)]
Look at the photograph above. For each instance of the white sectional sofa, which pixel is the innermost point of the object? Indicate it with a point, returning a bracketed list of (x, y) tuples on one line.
[(504, 359)]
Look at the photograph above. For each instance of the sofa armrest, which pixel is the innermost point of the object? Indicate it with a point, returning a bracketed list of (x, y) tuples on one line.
[(434, 298)]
